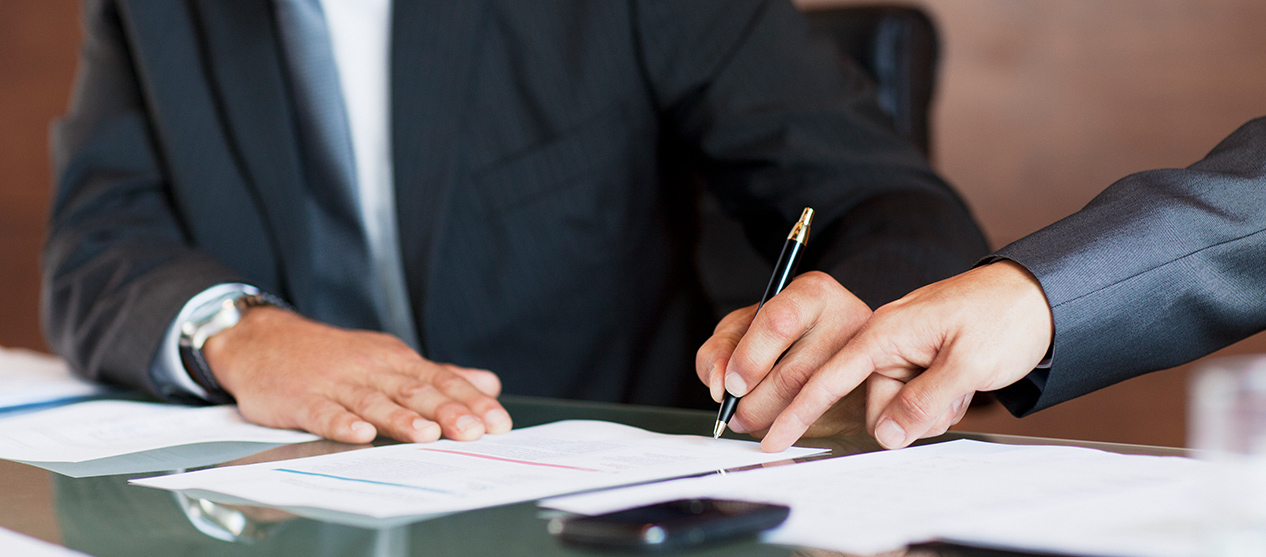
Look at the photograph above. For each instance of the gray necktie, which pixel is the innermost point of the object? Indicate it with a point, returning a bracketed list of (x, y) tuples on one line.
[(340, 255)]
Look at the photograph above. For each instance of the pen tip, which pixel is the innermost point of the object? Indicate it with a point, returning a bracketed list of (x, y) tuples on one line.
[(718, 430)]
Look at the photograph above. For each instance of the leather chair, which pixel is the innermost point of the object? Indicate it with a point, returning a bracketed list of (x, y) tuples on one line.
[(897, 47)]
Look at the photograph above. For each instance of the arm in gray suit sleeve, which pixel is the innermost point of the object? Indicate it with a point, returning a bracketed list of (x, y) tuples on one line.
[(117, 265), (777, 125), (1162, 268)]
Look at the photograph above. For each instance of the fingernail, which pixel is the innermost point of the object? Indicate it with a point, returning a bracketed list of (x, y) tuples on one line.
[(497, 419), (362, 428), (716, 384), (466, 422), (962, 403), (712, 382), (735, 384), (420, 424), (889, 434), (736, 425)]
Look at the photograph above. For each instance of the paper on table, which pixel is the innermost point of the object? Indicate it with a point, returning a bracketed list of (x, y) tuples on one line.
[(107, 428), (30, 378), (968, 491), (26, 546), (450, 476)]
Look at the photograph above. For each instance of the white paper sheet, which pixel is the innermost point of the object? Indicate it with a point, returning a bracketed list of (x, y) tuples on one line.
[(166, 459), (450, 476), (26, 546), (106, 428), (1058, 499), (30, 378)]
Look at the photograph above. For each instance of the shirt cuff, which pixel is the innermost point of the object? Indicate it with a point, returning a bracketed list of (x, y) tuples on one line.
[(167, 366)]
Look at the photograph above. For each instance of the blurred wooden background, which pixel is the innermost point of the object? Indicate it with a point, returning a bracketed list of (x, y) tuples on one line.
[(1041, 104)]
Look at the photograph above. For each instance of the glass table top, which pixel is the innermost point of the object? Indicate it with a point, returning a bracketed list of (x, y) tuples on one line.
[(104, 516)]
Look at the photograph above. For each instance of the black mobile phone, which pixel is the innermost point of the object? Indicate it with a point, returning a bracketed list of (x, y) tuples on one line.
[(670, 525)]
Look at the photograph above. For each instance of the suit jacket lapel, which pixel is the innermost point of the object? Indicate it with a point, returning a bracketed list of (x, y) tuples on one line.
[(433, 49), (246, 68)]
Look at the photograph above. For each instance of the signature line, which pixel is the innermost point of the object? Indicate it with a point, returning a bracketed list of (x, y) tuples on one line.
[(527, 462)]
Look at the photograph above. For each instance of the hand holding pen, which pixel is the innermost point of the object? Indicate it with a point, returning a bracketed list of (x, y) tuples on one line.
[(767, 352)]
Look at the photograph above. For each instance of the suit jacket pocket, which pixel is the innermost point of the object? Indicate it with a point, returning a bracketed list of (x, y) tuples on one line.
[(557, 165)]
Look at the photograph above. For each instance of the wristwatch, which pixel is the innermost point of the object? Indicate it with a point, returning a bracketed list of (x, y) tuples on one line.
[(195, 332)]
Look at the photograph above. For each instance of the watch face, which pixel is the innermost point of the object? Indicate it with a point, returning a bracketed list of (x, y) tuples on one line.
[(197, 332)]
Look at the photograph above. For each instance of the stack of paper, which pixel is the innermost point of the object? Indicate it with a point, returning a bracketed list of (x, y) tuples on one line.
[(30, 378), (116, 437), (1044, 498), (450, 476)]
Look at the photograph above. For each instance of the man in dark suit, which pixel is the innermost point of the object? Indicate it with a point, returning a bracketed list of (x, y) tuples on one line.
[(511, 189), (1163, 267)]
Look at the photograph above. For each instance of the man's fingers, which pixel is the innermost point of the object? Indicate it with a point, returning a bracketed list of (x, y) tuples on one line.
[(923, 402), (486, 381), (486, 408), (779, 324), (462, 411), (389, 417), (762, 404), (332, 420), (961, 410), (880, 391), (427, 388), (947, 420), (714, 355), (837, 378)]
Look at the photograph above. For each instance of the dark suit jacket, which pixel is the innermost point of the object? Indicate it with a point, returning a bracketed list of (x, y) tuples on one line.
[(547, 157), (1162, 268)]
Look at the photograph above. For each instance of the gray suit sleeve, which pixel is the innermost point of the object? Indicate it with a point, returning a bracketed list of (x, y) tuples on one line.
[(1163, 267), (776, 124), (117, 264)]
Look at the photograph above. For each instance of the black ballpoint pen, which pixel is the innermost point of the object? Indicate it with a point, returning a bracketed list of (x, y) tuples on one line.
[(784, 271)]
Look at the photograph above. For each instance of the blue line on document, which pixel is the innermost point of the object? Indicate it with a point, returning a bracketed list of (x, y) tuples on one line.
[(345, 478)]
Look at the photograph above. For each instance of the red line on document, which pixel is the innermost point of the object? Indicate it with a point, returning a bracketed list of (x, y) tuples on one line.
[(527, 462)]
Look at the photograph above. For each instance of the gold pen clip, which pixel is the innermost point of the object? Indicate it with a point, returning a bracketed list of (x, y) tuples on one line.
[(800, 233)]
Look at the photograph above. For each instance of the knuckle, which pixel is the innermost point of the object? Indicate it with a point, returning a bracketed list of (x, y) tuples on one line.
[(366, 399), (820, 285), (318, 411), (402, 419), (707, 356), (412, 390), (782, 320), (816, 281), (447, 381), (915, 403), (788, 380), (481, 404), (450, 410)]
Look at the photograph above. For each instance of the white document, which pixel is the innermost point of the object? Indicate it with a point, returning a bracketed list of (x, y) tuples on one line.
[(1057, 499), (450, 476), (29, 378), (26, 546), (107, 428)]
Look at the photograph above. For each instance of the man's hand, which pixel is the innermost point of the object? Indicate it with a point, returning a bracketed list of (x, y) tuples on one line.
[(768, 360), (923, 356), (290, 372)]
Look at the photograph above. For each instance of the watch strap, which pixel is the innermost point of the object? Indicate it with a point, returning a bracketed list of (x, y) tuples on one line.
[(191, 355)]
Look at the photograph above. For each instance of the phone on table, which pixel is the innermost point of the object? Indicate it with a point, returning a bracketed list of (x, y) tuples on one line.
[(670, 525)]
